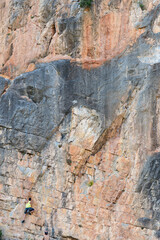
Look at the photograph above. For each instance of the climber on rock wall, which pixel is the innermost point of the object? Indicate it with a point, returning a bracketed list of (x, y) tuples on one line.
[(28, 208)]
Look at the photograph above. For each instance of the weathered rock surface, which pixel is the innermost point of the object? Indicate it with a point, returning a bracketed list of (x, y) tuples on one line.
[(84, 144), (43, 30)]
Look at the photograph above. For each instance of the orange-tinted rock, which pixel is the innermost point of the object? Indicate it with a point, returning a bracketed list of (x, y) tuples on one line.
[(30, 67), (123, 166), (104, 32)]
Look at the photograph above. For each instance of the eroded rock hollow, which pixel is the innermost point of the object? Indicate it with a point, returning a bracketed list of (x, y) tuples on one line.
[(80, 119)]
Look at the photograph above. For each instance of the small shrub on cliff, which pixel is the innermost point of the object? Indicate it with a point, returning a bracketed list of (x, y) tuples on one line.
[(85, 3), (141, 5), (90, 183)]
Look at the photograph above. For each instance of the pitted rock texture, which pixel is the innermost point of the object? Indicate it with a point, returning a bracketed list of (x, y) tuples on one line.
[(84, 144)]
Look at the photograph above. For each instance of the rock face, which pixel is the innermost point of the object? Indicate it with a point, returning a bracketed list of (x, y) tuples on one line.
[(80, 135), (43, 30)]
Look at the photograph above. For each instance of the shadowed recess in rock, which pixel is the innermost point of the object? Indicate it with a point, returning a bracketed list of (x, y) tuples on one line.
[(148, 187)]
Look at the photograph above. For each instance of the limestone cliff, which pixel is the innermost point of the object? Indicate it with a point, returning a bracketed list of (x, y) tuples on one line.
[(80, 119)]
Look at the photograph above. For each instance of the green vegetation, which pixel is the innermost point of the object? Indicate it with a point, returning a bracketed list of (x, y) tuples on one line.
[(90, 183), (85, 3), (141, 5), (0, 234), (69, 162)]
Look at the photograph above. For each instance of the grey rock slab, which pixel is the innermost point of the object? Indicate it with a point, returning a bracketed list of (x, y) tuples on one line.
[(47, 10), (148, 186), (4, 84), (18, 13), (148, 20), (37, 102)]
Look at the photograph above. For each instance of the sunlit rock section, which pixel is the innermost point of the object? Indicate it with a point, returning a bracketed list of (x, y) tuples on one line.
[(34, 31)]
